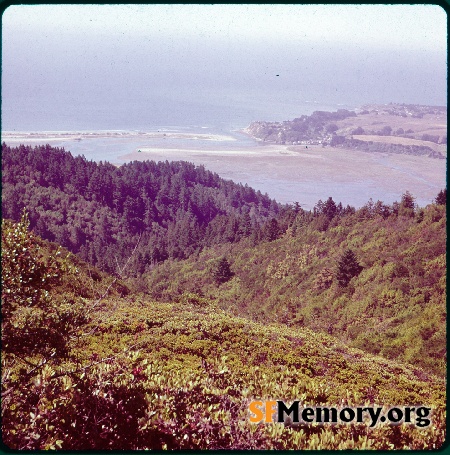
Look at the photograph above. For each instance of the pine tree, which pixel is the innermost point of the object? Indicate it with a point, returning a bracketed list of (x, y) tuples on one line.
[(348, 267), (406, 207), (441, 198), (272, 230), (222, 272), (329, 208)]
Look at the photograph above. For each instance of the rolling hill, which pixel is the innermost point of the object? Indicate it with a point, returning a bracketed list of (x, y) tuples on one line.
[(394, 307), (140, 374)]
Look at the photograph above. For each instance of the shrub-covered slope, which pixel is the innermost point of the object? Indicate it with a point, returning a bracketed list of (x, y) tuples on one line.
[(138, 374), (394, 306), (195, 369)]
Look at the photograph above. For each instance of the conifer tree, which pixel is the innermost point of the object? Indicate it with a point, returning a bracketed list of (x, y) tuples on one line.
[(441, 198), (348, 267), (272, 230), (222, 272), (406, 207)]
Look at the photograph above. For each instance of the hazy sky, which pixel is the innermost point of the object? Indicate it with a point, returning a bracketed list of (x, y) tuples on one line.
[(402, 26), (344, 54)]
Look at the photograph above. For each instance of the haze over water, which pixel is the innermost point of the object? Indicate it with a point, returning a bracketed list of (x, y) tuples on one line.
[(187, 67), (132, 67)]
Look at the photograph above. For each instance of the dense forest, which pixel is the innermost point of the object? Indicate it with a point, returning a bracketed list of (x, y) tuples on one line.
[(101, 212), (144, 305)]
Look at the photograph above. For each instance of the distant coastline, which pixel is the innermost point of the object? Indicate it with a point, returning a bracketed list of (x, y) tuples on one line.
[(272, 158), (23, 136)]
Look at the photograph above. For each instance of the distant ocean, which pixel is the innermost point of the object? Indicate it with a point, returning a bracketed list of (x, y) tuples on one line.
[(224, 115), (219, 112)]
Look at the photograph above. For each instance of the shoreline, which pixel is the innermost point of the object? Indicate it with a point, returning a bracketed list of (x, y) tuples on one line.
[(19, 136), (287, 173)]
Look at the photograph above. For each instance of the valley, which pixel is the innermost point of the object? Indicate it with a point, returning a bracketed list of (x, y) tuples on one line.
[(145, 305), (140, 374)]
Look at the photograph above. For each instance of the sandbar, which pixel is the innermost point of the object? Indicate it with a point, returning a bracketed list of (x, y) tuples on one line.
[(287, 173), (38, 136), (294, 173), (149, 153)]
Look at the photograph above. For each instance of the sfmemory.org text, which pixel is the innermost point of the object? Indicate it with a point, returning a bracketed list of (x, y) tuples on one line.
[(265, 411)]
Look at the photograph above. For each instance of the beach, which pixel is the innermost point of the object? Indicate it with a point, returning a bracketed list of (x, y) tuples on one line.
[(10, 136)]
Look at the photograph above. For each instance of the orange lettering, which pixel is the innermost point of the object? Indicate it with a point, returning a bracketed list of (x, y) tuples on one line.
[(270, 411), (257, 412)]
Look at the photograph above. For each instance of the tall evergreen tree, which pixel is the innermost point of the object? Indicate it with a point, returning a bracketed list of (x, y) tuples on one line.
[(330, 208), (406, 207), (222, 272), (348, 267), (441, 198), (272, 230)]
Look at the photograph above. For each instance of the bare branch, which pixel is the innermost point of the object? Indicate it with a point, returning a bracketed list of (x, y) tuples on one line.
[(44, 361), (116, 278), (87, 367)]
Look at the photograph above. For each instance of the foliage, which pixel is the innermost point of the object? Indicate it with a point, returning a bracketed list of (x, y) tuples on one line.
[(317, 126), (222, 272), (33, 323), (384, 309), (99, 211), (181, 378), (348, 267), (441, 198), (333, 128), (384, 147), (47, 298), (88, 363)]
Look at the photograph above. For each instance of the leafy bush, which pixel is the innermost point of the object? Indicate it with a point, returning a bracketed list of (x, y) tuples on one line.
[(222, 272), (189, 384), (33, 322)]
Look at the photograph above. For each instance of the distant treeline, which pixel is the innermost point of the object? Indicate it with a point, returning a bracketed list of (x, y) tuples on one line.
[(317, 126), (321, 128), (382, 147)]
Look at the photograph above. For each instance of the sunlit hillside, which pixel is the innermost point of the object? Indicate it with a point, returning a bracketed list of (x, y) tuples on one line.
[(393, 303), (131, 373)]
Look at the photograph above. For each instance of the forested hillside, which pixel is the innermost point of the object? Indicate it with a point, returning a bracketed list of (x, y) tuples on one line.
[(102, 212), (374, 277), (87, 364)]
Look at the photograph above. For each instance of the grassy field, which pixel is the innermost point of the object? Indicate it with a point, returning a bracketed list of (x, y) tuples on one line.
[(403, 141), (435, 124)]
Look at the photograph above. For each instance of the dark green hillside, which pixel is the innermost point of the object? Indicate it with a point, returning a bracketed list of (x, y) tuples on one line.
[(101, 212), (392, 303), (138, 374)]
